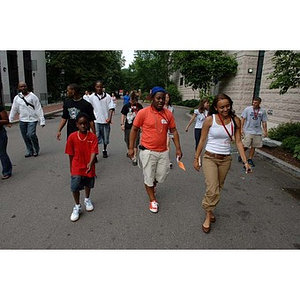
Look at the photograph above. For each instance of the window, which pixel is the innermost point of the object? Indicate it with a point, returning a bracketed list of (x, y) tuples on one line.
[(181, 81)]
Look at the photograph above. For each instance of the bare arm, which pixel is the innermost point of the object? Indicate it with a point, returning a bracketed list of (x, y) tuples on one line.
[(4, 118), (190, 122), (239, 143), (204, 133), (264, 124), (89, 165), (70, 160), (60, 127), (176, 142), (122, 122), (242, 125), (92, 126), (132, 137)]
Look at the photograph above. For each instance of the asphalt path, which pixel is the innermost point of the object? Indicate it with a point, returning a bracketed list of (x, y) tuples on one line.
[(257, 211)]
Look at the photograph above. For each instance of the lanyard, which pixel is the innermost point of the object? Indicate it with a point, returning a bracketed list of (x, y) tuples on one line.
[(255, 113), (230, 135)]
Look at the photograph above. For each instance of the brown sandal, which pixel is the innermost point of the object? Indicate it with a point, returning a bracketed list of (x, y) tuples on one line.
[(206, 229)]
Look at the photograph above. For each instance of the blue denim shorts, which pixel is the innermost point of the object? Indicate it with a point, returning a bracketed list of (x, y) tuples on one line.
[(79, 182)]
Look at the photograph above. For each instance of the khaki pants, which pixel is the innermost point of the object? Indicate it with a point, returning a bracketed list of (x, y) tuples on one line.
[(215, 171)]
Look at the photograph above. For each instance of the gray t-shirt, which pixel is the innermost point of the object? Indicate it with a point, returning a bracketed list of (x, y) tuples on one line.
[(254, 118)]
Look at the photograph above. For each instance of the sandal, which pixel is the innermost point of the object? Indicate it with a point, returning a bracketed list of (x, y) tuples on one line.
[(5, 177)]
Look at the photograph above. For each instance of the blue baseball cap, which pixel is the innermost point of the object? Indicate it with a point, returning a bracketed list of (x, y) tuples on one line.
[(157, 89)]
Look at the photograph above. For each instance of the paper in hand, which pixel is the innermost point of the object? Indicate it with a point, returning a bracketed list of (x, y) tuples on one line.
[(180, 164)]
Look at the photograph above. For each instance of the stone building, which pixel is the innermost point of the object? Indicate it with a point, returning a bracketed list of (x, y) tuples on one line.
[(28, 66), (254, 68)]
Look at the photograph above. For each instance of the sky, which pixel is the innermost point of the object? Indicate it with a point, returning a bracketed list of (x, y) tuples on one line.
[(129, 56)]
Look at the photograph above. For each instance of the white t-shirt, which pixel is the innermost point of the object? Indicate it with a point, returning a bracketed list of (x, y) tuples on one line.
[(253, 119), (101, 104), (200, 118)]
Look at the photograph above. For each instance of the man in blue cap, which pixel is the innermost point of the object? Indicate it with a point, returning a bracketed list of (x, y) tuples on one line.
[(155, 121)]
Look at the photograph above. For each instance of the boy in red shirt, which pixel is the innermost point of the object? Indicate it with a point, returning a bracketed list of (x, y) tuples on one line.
[(82, 147)]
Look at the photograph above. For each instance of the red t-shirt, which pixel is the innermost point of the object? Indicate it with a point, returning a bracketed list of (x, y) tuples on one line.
[(81, 146), (155, 125)]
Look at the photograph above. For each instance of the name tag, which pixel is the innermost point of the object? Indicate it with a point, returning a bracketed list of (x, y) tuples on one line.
[(163, 121)]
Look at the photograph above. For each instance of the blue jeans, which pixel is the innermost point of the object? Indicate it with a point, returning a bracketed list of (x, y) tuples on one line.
[(5, 161), (28, 131), (197, 134), (102, 132)]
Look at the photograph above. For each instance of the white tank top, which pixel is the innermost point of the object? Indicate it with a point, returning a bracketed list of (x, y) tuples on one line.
[(218, 140)]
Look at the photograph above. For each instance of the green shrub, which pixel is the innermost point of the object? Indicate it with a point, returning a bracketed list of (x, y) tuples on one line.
[(290, 143), (297, 152), (284, 130), (174, 94)]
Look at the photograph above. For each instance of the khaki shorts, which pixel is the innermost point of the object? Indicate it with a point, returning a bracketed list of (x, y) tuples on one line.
[(156, 166), (252, 140)]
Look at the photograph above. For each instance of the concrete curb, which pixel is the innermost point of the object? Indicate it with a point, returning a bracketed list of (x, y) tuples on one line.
[(280, 163)]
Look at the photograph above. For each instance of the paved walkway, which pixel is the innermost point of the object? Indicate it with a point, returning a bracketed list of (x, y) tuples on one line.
[(57, 107)]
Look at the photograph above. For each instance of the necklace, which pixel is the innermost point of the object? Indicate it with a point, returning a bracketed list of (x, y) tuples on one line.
[(80, 138), (255, 112)]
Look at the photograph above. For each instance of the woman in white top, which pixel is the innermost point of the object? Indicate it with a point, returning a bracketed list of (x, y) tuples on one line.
[(199, 114), (220, 128)]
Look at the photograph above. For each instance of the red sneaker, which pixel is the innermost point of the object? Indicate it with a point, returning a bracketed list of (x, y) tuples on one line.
[(153, 206)]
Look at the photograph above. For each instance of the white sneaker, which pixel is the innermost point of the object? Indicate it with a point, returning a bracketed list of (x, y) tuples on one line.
[(75, 213), (88, 204)]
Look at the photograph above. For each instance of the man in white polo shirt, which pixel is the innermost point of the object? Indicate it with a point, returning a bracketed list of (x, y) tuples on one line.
[(104, 107)]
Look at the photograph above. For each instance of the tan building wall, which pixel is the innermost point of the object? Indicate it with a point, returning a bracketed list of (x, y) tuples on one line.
[(280, 108)]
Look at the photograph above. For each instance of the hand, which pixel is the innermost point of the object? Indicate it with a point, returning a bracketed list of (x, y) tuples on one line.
[(9, 125), (130, 153), (58, 135), (179, 154), (108, 121), (248, 168), (197, 164), (89, 167), (123, 127)]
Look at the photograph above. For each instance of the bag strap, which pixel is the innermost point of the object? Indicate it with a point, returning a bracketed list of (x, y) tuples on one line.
[(23, 98)]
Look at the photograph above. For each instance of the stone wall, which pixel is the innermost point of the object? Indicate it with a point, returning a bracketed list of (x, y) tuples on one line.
[(280, 108)]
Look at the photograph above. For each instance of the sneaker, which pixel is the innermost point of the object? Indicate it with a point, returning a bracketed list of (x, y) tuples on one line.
[(153, 206), (171, 165), (88, 204), (250, 162), (75, 213), (104, 153), (239, 159), (134, 162)]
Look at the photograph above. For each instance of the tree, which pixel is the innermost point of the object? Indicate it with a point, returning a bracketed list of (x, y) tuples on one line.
[(83, 68), (203, 68), (150, 68), (286, 72)]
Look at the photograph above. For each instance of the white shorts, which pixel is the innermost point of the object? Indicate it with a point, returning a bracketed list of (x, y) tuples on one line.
[(156, 166)]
